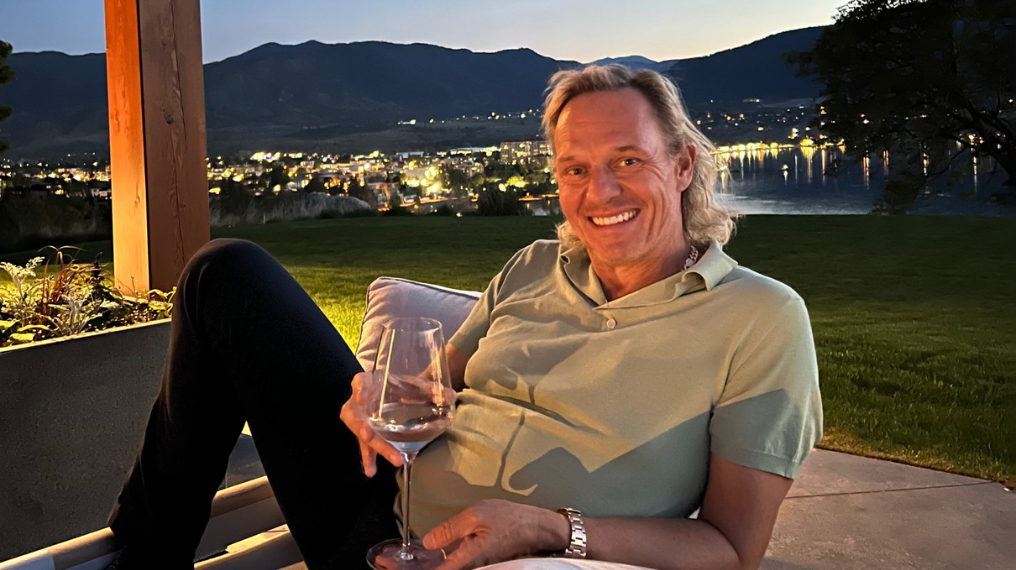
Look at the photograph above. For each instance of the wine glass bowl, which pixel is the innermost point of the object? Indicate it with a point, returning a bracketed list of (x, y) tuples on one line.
[(409, 401)]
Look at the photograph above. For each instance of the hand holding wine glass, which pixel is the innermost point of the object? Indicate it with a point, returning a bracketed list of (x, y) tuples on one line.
[(408, 401), (355, 417)]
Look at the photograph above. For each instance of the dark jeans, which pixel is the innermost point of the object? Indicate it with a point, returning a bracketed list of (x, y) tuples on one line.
[(249, 344)]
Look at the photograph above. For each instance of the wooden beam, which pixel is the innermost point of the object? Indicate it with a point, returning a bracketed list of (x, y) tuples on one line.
[(156, 139)]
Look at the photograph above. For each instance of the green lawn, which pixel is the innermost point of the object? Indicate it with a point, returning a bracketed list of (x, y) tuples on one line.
[(913, 316)]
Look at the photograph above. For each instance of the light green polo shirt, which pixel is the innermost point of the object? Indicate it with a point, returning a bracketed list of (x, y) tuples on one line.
[(614, 408)]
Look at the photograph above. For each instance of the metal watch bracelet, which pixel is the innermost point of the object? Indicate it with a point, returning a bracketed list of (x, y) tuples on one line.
[(577, 538)]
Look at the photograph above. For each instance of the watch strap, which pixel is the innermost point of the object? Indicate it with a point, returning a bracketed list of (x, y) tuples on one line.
[(577, 538)]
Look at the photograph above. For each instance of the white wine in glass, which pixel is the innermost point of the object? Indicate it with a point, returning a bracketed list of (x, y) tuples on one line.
[(409, 400)]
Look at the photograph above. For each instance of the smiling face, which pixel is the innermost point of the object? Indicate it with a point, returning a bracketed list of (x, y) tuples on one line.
[(620, 187)]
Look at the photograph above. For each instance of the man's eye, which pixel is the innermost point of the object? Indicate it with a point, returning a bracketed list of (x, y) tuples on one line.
[(575, 171), (630, 161)]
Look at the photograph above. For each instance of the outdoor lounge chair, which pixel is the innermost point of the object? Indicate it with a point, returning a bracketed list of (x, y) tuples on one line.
[(238, 513)]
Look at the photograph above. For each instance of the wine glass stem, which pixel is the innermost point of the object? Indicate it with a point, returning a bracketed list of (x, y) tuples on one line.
[(408, 459)]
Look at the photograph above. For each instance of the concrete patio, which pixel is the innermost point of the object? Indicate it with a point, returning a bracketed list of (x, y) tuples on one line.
[(846, 512)]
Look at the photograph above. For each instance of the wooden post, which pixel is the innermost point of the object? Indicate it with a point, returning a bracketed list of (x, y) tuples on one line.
[(156, 139)]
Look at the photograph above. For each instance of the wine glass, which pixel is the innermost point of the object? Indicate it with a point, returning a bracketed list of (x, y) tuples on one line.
[(409, 401)]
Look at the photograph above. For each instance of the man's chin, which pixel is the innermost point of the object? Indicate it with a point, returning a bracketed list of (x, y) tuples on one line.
[(616, 254)]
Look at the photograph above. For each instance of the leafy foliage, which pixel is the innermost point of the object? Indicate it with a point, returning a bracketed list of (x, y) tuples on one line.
[(76, 298), (277, 177), (6, 76), (28, 220), (361, 191), (395, 207), (235, 199), (455, 180), (315, 185), (443, 210), (238, 205), (496, 202), (928, 80)]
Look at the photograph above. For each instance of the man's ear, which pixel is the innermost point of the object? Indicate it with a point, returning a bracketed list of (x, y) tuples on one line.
[(684, 165)]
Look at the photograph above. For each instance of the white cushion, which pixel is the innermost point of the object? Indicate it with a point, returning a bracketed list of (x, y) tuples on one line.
[(559, 564), (390, 297)]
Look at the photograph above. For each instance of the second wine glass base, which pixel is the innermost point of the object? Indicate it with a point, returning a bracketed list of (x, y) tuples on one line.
[(388, 555)]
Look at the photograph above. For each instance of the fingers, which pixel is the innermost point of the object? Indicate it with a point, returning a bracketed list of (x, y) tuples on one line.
[(369, 451), (469, 555), (354, 421), (455, 528), (368, 458), (370, 444), (448, 396), (378, 445), (357, 385)]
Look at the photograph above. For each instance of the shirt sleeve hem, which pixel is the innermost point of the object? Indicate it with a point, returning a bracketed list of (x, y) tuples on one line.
[(463, 345), (761, 461)]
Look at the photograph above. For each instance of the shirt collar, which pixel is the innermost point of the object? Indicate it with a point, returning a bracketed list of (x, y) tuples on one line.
[(578, 269), (714, 265), (711, 268)]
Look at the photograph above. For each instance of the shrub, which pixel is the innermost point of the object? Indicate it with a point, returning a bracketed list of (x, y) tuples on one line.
[(395, 207), (235, 199), (76, 298), (497, 202), (282, 207), (443, 210), (28, 220)]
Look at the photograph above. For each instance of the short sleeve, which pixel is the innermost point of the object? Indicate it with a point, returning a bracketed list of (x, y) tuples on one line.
[(769, 415), (474, 328)]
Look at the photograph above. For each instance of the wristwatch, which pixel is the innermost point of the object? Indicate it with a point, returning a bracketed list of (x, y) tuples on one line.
[(577, 540)]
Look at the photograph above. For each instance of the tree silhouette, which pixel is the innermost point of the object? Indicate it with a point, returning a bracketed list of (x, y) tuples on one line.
[(495, 202), (361, 191), (315, 185), (235, 198), (6, 76), (278, 177), (395, 207), (929, 81), (455, 180)]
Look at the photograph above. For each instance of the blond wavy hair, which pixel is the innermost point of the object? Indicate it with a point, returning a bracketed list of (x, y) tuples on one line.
[(704, 218)]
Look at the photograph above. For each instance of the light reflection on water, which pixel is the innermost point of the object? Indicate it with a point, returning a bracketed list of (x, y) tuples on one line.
[(795, 181)]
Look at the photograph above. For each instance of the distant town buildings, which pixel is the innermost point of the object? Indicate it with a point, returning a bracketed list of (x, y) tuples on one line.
[(516, 152), (417, 176)]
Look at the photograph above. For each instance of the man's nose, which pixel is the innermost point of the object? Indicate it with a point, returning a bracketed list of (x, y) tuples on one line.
[(602, 185)]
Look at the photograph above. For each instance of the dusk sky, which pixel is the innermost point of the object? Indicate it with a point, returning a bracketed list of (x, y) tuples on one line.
[(582, 30)]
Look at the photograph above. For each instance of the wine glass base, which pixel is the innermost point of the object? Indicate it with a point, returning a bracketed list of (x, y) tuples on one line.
[(388, 555)]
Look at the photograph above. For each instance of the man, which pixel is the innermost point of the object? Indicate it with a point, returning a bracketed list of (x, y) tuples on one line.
[(630, 373)]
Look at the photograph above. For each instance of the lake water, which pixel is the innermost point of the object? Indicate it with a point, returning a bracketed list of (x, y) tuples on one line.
[(794, 181)]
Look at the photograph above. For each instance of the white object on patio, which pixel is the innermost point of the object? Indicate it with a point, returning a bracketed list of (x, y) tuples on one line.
[(559, 564)]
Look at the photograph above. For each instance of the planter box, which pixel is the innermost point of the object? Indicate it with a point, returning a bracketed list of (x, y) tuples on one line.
[(72, 414)]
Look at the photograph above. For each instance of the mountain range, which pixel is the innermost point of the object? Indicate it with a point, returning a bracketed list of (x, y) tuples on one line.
[(327, 95)]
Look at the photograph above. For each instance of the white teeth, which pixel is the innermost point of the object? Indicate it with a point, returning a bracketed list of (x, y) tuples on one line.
[(614, 219)]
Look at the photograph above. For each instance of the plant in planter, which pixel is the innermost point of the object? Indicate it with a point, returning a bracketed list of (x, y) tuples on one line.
[(73, 407), (74, 299)]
